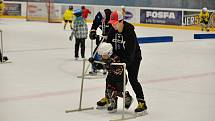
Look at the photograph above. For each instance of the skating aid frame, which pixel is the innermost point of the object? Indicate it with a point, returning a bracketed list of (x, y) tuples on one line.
[(81, 93), (125, 75), (2, 50)]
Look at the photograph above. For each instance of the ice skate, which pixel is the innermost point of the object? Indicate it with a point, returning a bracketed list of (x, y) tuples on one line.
[(128, 100), (93, 72), (141, 109), (104, 71), (103, 103), (112, 108), (5, 60)]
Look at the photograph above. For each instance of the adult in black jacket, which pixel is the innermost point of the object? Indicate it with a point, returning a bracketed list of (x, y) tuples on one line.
[(100, 21), (123, 38)]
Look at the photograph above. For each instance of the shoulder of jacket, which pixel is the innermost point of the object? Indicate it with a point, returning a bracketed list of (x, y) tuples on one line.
[(128, 26)]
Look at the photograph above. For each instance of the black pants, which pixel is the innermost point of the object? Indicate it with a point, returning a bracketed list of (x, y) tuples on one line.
[(133, 71), (132, 75), (79, 42), (204, 22)]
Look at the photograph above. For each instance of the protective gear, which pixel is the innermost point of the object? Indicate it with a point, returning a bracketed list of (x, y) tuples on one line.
[(108, 63), (91, 60), (92, 34), (107, 15), (141, 106), (105, 49), (104, 102), (113, 105), (128, 100), (204, 9), (4, 59), (78, 12), (71, 7), (103, 16), (122, 7)]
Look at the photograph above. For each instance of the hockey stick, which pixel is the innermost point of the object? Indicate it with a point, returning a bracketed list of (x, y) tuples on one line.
[(93, 55)]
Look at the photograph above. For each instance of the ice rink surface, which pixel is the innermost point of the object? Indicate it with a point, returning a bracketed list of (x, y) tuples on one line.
[(178, 78)]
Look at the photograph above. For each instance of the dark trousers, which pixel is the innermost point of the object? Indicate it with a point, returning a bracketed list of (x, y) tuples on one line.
[(133, 71), (132, 75), (79, 42)]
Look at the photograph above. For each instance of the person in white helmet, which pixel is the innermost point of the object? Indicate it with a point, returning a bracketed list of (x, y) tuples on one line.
[(204, 18), (114, 80)]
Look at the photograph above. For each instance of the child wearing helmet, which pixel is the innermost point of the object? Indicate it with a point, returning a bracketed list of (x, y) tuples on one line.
[(204, 18), (100, 21), (114, 80), (80, 32), (1, 7), (68, 17)]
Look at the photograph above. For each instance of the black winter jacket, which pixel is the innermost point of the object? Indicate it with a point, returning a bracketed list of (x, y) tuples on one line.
[(125, 44)]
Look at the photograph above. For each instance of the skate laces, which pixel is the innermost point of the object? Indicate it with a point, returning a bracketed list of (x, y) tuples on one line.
[(140, 105), (128, 97), (112, 102), (104, 99)]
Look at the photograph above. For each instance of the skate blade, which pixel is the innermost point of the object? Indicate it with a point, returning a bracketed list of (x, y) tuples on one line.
[(130, 104), (4, 62), (143, 113), (90, 76), (101, 107), (112, 111)]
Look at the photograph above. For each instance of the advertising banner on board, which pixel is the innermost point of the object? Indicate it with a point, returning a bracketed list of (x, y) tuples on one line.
[(12, 9), (167, 17), (190, 18)]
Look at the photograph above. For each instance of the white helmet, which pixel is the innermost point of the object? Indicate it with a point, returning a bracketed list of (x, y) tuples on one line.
[(105, 49), (204, 9)]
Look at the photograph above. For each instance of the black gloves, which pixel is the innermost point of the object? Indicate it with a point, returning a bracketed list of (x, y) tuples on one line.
[(108, 63), (91, 60), (92, 34)]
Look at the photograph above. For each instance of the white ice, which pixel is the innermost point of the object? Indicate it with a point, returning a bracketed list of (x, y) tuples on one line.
[(178, 78)]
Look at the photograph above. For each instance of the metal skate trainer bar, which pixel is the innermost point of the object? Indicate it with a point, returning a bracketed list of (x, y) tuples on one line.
[(91, 108), (2, 50), (124, 84), (81, 93)]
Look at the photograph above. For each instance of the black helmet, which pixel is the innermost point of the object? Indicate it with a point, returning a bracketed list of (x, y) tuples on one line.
[(70, 7), (107, 14), (103, 15)]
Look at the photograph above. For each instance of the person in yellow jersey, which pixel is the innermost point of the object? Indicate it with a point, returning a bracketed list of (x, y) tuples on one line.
[(204, 18), (1, 7), (68, 17)]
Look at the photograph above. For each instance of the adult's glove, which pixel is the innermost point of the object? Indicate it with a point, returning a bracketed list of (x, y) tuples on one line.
[(92, 34), (91, 60)]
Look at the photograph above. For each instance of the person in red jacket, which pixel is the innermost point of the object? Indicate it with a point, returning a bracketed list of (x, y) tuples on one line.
[(85, 12)]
